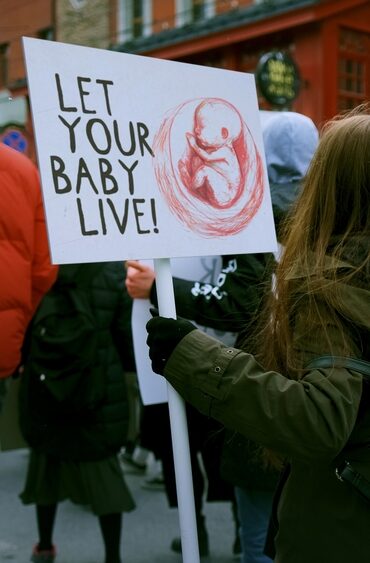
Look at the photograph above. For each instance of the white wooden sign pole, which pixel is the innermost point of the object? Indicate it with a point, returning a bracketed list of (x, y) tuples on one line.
[(179, 430)]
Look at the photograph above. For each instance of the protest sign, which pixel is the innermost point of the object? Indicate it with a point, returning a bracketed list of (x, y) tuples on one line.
[(142, 158), (146, 158)]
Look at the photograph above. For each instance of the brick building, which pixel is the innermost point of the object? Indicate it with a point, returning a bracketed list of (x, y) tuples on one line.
[(327, 40), (19, 18), (83, 22)]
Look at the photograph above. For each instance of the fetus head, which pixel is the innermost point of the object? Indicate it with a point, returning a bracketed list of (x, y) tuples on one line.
[(216, 123)]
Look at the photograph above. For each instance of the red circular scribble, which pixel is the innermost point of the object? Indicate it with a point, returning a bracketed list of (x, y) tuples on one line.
[(211, 177)]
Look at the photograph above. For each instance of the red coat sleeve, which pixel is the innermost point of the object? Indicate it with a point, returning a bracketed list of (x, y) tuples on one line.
[(26, 272)]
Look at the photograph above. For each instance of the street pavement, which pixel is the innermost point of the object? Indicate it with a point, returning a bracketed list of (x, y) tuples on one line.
[(147, 531)]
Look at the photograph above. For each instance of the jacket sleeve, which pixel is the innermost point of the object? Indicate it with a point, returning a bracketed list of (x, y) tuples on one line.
[(229, 304), (26, 271), (43, 272), (311, 418)]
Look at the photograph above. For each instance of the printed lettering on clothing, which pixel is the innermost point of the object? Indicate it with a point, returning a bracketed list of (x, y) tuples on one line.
[(208, 290)]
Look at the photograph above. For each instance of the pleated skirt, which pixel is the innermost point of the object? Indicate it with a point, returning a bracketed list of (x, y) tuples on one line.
[(100, 485)]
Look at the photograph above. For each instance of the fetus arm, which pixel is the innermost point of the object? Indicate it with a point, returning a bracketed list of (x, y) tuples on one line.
[(204, 155)]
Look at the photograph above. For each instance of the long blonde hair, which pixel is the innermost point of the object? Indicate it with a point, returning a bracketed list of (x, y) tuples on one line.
[(331, 217)]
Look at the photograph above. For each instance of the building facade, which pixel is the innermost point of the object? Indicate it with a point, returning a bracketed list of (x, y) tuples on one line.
[(327, 41), (18, 19)]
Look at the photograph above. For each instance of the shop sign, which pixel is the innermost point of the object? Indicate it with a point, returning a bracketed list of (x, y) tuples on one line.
[(278, 78)]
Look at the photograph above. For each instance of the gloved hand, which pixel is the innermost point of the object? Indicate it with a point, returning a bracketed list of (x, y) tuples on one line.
[(163, 336)]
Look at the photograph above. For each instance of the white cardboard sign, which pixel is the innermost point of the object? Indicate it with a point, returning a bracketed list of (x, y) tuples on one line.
[(146, 158), (204, 269)]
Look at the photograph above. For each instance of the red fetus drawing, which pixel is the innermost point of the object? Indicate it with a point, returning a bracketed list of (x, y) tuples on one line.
[(208, 168), (212, 164)]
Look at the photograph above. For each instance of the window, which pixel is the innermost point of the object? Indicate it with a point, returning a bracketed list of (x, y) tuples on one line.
[(134, 19), (188, 11), (353, 69), (4, 49), (137, 18), (198, 10)]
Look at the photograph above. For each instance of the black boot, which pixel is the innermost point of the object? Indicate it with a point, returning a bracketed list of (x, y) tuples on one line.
[(202, 538)]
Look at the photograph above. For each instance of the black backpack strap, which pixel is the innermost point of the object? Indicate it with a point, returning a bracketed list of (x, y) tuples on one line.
[(344, 470), (362, 366)]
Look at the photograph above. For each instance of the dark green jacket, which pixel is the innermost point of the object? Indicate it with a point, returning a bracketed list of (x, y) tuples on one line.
[(310, 422)]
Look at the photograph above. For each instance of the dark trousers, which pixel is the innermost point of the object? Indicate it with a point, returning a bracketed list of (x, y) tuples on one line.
[(205, 437)]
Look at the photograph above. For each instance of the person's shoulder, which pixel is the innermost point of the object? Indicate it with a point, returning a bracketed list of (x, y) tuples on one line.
[(10, 158), (21, 172), (107, 275)]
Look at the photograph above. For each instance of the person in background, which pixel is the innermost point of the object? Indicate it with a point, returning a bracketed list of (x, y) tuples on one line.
[(290, 140), (74, 450), (205, 435), (313, 414), (133, 454), (26, 273)]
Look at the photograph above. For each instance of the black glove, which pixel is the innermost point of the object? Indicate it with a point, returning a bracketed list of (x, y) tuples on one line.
[(163, 337)]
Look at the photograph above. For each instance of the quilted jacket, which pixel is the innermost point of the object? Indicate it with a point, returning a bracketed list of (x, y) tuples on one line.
[(99, 430), (25, 269)]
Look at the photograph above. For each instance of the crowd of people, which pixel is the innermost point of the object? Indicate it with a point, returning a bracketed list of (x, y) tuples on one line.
[(275, 418)]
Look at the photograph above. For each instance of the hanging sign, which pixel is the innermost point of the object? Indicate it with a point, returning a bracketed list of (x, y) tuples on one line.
[(278, 78)]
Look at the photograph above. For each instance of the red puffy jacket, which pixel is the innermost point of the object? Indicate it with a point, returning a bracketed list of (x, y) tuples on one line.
[(25, 269)]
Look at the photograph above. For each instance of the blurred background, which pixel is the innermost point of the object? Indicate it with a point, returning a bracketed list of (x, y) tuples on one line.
[(308, 56)]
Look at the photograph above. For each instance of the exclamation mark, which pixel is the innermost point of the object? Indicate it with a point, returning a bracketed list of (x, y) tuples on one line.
[(154, 215)]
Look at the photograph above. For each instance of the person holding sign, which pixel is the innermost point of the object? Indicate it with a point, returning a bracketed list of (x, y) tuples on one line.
[(227, 305), (316, 418), (290, 140)]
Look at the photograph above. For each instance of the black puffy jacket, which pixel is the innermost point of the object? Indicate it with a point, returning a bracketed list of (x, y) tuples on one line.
[(100, 431)]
